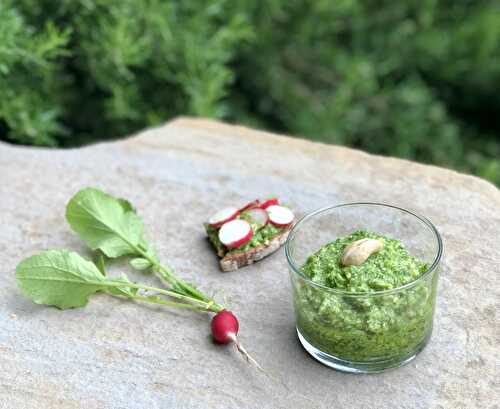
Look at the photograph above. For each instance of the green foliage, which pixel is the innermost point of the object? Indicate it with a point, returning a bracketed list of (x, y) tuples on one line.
[(140, 263), (415, 79), (31, 80), (59, 277), (65, 280), (105, 223), (110, 225), (400, 78)]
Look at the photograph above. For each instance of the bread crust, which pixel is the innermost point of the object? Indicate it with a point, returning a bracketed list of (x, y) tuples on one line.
[(233, 261)]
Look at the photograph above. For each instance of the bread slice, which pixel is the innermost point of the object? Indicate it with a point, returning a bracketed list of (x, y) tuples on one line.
[(233, 261)]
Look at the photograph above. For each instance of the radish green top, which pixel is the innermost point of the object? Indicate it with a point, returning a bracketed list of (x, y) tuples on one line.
[(111, 227)]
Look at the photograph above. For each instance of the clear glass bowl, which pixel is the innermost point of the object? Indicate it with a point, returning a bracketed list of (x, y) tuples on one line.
[(371, 331)]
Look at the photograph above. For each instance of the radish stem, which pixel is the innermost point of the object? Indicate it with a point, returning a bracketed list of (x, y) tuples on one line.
[(199, 304), (167, 303), (165, 274)]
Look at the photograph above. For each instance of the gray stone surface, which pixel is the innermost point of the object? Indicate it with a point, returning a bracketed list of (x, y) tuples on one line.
[(117, 354)]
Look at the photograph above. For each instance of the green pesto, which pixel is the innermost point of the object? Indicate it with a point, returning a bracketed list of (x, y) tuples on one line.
[(261, 235), (361, 327)]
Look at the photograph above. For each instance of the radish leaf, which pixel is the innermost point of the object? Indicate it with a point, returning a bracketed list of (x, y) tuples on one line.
[(105, 223), (101, 266), (100, 263), (140, 263), (60, 278), (126, 205), (111, 225), (64, 279)]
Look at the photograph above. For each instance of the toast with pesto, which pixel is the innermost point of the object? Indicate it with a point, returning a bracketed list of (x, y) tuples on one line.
[(248, 234)]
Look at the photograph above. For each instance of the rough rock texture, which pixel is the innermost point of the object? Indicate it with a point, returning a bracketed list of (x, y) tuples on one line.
[(117, 354)]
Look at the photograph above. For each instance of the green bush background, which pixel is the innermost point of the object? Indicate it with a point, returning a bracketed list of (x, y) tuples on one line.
[(418, 79)]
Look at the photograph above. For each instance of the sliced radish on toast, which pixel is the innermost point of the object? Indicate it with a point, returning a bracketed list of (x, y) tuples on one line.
[(259, 216), (280, 216), (223, 216), (235, 233), (250, 205), (270, 202)]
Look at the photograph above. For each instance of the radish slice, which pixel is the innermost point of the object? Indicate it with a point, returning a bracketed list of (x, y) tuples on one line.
[(270, 202), (259, 216), (223, 216), (235, 233), (280, 216), (250, 205)]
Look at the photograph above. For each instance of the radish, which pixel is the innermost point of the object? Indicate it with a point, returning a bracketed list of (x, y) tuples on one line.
[(259, 216), (235, 233), (280, 216), (270, 202), (223, 216), (225, 328), (250, 205)]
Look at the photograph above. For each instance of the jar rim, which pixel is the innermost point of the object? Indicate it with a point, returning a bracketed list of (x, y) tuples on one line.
[(337, 291)]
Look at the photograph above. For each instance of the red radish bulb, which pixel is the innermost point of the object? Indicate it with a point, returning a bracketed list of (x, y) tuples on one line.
[(225, 327), (250, 205), (235, 233), (270, 202), (259, 216), (280, 216), (223, 216)]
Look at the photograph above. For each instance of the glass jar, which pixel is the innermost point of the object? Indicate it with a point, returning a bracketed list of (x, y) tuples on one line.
[(371, 331)]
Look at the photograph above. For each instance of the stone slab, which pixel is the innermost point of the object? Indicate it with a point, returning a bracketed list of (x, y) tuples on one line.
[(117, 354)]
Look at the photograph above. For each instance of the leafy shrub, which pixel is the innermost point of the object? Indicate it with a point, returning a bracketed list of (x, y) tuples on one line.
[(415, 79)]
